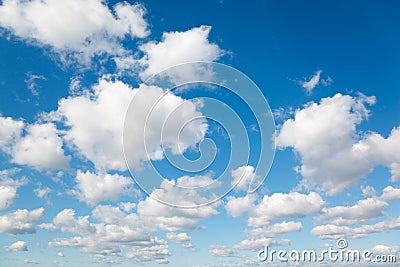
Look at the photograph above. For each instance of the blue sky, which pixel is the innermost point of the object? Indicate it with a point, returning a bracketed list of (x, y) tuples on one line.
[(68, 71)]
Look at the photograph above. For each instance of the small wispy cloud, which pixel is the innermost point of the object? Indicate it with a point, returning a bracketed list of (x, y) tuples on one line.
[(313, 81), (31, 82)]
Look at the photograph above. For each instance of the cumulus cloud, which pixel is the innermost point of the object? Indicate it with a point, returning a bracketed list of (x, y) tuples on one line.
[(243, 177), (41, 148), (170, 218), (132, 226), (178, 238), (386, 250), (276, 229), (17, 246), (113, 228), (7, 196), (10, 132), (20, 221), (92, 188), (42, 192), (331, 231), (77, 29), (362, 211), (236, 206), (279, 205), (8, 188), (158, 251), (333, 154), (390, 193), (255, 244), (179, 47), (109, 101), (261, 216), (222, 251)]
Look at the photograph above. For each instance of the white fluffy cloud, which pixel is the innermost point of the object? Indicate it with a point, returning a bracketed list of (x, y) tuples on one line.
[(222, 251), (276, 229), (20, 221), (386, 250), (236, 206), (279, 205), (114, 228), (92, 188), (10, 131), (261, 216), (85, 28), (170, 218), (102, 112), (8, 188), (41, 148), (331, 231), (179, 47), (242, 177), (178, 238), (96, 121), (7, 196), (362, 211), (331, 151), (158, 120), (157, 251), (390, 193), (256, 244), (17, 246)]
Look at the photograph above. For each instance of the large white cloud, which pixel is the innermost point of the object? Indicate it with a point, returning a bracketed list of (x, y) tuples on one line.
[(7, 196), (170, 218), (96, 120), (41, 148), (179, 47), (256, 244), (17, 246), (276, 229), (83, 27), (10, 131), (20, 221), (92, 188), (222, 251), (332, 152), (236, 206), (261, 216), (242, 177), (390, 193), (331, 231), (114, 228), (9, 187), (279, 205), (362, 211)]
